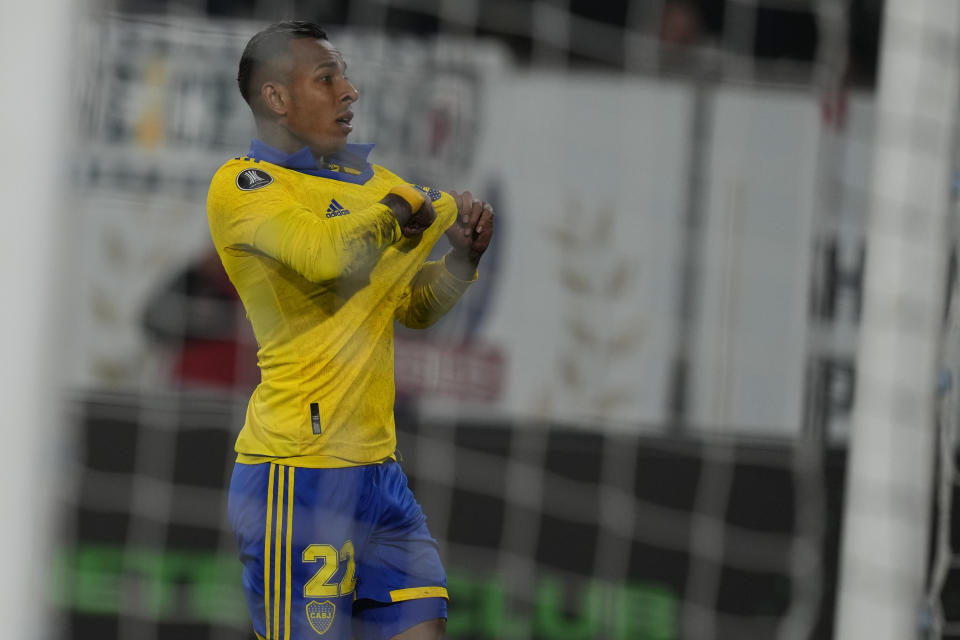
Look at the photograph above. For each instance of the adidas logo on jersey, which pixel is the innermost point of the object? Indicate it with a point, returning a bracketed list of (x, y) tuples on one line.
[(336, 209)]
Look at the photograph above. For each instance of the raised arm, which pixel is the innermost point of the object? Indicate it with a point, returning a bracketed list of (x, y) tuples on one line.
[(273, 222), (439, 285), (325, 249)]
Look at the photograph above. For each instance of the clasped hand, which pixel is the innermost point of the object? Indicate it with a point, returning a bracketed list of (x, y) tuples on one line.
[(470, 234)]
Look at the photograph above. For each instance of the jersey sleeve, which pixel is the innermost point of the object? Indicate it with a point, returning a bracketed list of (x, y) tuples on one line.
[(433, 292), (270, 220)]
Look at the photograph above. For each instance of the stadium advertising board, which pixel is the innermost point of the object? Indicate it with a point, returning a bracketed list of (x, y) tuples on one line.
[(202, 590)]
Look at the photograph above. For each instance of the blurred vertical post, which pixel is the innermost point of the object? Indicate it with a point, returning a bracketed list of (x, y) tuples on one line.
[(34, 88), (888, 499)]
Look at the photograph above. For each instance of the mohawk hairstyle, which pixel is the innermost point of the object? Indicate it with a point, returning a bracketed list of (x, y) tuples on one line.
[(271, 43)]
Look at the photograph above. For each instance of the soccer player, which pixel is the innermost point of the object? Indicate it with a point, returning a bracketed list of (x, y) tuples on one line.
[(326, 250)]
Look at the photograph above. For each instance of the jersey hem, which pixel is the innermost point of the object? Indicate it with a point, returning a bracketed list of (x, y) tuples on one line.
[(311, 461)]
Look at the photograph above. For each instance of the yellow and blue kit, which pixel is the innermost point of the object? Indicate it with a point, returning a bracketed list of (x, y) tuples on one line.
[(326, 524)]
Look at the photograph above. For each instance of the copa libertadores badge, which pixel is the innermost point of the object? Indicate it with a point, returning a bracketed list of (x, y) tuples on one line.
[(320, 615), (250, 179)]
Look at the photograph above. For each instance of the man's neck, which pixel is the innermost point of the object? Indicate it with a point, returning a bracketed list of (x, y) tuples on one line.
[(280, 138)]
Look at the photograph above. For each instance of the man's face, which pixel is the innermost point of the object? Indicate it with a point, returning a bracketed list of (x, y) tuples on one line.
[(320, 96)]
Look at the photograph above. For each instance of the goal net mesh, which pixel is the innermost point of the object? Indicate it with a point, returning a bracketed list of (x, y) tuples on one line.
[(633, 426)]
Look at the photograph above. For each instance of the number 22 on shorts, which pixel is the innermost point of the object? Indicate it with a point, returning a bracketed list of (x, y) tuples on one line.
[(319, 586)]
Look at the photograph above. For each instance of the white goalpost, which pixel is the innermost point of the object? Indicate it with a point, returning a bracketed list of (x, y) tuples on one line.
[(891, 465), (34, 85)]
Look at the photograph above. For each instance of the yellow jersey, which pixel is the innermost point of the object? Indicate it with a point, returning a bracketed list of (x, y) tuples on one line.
[(323, 270)]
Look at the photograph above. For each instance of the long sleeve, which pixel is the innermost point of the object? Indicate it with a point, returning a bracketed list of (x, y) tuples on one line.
[(433, 292), (274, 222), (324, 249)]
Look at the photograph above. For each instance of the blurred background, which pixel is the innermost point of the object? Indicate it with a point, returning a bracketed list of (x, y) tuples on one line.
[(635, 425)]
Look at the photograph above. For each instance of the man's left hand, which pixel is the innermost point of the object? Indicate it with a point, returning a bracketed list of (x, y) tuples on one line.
[(469, 235)]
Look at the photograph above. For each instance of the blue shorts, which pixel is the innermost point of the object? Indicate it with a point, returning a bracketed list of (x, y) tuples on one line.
[(338, 553)]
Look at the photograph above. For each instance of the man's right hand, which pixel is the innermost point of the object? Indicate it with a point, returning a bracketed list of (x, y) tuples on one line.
[(412, 223), (420, 220)]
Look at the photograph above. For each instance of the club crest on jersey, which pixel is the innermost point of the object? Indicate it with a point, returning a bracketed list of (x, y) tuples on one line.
[(336, 209), (430, 192), (250, 179), (320, 615)]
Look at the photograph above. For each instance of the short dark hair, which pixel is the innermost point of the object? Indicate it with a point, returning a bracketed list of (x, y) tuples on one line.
[(271, 43)]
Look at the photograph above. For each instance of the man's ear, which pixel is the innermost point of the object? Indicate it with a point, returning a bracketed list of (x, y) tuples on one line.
[(275, 97)]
